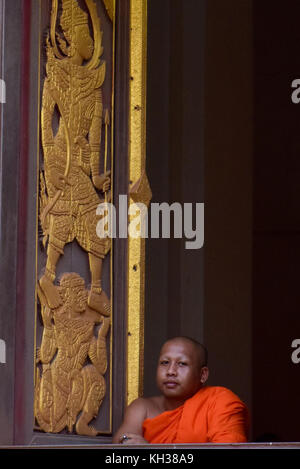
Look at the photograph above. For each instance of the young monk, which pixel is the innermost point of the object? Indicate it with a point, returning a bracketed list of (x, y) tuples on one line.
[(187, 411)]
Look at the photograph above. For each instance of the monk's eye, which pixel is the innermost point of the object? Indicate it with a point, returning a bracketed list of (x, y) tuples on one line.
[(182, 364), (164, 362)]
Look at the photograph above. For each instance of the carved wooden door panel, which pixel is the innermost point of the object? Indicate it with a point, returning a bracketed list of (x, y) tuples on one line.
[(69, 371)]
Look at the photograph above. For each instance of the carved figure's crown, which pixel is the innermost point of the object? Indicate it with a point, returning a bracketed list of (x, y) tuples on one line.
[(72, 15)]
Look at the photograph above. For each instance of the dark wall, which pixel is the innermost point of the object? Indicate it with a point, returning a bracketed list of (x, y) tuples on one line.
[(228, 140), (199, 149), (276, 236), (222, 123), (174, 277)]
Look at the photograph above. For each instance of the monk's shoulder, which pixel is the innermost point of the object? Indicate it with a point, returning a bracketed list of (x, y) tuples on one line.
[(136, 412), (143, 404), (221, 393), (139, 404), (154, 406)]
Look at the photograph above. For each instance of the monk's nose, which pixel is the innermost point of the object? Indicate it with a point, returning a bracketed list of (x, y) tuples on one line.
[(172, 370)]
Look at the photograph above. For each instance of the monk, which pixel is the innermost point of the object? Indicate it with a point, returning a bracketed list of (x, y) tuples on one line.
[(186, 411)]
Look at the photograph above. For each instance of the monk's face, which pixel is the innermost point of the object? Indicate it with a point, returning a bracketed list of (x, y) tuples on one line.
[(179, 372)]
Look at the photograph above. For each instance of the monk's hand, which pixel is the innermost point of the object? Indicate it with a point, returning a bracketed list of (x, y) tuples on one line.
[(133, 439)]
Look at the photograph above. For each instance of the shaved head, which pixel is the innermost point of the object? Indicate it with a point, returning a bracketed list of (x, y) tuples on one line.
[(181, 369), (200, 349)]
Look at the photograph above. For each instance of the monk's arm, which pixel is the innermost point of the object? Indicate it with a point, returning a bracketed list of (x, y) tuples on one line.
[(228, 420), (132, 425)]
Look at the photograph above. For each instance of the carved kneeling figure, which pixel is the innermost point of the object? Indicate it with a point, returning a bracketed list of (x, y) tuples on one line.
[(67, 383)]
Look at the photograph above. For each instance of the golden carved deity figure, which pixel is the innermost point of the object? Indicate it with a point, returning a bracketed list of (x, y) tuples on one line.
[(69, 383), (72, 359), (69, 197)]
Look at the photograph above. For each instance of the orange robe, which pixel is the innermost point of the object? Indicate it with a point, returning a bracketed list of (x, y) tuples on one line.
[(213, 415)]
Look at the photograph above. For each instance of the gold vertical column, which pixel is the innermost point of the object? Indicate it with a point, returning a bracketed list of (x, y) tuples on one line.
[(139, 192)]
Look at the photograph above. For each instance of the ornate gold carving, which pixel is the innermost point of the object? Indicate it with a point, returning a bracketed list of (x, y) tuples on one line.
[(139, 192), (68, 201), (71, 157), (66, 383)]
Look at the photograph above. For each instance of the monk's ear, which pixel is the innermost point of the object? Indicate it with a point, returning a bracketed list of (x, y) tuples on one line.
[(204, 374)]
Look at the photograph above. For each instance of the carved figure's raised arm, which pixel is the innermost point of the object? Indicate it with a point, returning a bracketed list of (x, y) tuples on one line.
[(48, 345)]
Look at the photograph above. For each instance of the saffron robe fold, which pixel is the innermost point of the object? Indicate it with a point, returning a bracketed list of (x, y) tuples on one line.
[(213, 415)]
